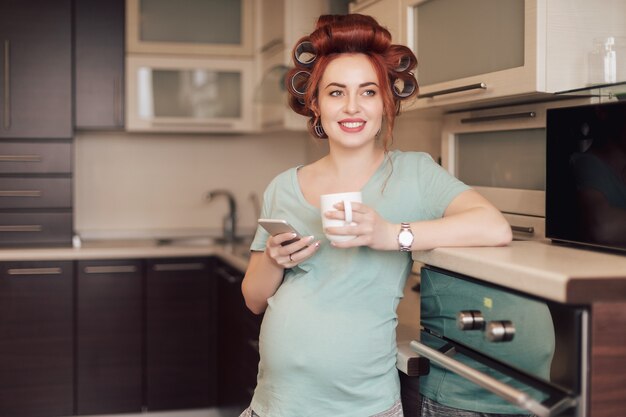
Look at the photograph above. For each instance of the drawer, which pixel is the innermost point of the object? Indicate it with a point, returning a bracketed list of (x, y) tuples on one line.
[(17, 229), (35, 157), (16, 193)]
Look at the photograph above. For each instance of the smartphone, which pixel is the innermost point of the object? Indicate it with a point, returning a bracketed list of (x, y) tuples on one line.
[(277, 226)]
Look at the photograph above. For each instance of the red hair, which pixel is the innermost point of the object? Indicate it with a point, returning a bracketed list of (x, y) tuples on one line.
[(352, 33)]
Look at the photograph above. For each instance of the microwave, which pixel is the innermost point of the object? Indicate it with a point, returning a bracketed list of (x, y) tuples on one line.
[(501, 153), (586, 175)]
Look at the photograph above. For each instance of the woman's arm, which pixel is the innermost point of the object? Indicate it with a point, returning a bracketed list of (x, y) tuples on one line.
[(469, 220), (265, 269)]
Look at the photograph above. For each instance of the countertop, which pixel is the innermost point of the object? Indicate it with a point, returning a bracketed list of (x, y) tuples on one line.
[(550, 271), (129, 249)]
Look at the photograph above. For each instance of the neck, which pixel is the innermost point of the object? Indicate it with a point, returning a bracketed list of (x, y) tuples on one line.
[(348, 163)]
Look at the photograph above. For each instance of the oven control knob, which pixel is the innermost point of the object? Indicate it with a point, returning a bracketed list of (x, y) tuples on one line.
[(470, 320), (500, 331)]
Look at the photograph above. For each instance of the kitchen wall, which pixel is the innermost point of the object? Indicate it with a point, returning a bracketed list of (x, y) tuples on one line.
[(148, 185)]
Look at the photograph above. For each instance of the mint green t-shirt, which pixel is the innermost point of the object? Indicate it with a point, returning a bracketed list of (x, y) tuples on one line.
[(327, 340)]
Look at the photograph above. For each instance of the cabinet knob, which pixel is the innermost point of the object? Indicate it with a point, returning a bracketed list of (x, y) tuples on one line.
[(500, 331), (470, 320)]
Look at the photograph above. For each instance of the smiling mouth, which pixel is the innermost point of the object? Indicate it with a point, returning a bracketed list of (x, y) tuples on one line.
[(352, 125)]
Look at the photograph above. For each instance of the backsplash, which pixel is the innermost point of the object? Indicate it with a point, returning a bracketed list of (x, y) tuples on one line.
[(144, 185)]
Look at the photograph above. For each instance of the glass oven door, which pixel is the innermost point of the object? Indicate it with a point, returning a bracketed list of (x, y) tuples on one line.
[(525, 351)]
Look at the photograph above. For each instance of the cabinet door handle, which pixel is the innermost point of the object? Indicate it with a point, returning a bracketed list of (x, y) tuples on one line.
[(231, 279), (117, 100), (35, 271), (21, 228), (192, 266), (7, 85), (110, 269), (20, 193), (523, 229), (523, 115), (20, 158), (477, 86)]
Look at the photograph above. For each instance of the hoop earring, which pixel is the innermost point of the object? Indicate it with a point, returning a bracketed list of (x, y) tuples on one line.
[(318, 129)]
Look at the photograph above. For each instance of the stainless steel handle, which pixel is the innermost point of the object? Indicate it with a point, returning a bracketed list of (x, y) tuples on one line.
[(523, 229), (231, 279), (20, 193), (117, 100), (7, 85), (22, 228), (192, 266), (477, 86), (35, 271), (110, 269), (502, 390), (20, 158), (495, 117)]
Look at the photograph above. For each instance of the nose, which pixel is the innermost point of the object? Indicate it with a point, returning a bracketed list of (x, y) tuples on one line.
[(352, 103)]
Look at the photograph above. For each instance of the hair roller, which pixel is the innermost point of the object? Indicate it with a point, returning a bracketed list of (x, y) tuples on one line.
[(404, 87), (405, 62), (305, 54), (299, 83)]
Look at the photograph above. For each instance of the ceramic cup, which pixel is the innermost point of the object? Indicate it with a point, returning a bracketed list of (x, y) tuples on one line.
[(327, 201)]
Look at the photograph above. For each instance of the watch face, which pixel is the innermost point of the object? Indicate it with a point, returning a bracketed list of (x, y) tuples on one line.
[(405, 238)]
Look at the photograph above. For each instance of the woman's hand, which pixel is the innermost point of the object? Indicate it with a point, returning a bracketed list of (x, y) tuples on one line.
[(291, 254), (368, 226)]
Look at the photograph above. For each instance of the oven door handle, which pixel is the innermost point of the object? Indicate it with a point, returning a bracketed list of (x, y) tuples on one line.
[(507, 392)]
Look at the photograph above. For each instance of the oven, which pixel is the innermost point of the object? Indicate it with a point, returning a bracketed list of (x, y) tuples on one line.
[(500, 347), (501, 153)]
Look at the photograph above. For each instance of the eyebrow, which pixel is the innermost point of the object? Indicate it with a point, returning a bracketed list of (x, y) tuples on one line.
[(366, 84)]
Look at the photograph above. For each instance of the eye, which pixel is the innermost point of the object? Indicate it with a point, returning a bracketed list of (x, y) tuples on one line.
[(369, 93), (335, 93)]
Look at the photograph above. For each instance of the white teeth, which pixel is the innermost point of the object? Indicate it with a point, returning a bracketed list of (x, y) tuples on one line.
[(352, 125)]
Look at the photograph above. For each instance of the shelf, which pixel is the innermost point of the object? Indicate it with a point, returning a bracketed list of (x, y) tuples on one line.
[(604, 92)]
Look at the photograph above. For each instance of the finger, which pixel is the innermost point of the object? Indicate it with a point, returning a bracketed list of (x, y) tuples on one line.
[(284, 238), (305, 253)]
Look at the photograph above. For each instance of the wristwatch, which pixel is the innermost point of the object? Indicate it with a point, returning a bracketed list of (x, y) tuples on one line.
[(405, 237)]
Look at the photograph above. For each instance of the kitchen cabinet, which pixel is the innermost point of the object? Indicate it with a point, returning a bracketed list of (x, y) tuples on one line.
[(36, 69), (195, 27), (99, 64), (36, 342), (388, 13), (238, 345), (503, 51), (109, 336), (36, 193), (213, 95), (180, 334), (282, 23)]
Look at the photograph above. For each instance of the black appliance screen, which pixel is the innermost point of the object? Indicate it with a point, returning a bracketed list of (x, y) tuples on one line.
[(586, 175)]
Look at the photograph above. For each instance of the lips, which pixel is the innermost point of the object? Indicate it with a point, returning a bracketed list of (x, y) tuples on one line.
[(352, 125)]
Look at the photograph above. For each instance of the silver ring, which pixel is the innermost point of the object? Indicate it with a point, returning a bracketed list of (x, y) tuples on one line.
[(290, 260)]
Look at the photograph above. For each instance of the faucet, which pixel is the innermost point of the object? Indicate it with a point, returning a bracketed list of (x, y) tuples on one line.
[(230, 220)]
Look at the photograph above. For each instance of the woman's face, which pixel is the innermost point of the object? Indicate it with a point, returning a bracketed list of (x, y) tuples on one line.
[(350, 102)]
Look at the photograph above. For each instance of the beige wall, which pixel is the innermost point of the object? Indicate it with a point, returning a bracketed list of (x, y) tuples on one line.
[(129, 185)]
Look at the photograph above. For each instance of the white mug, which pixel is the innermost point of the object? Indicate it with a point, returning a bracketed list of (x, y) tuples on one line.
[(327, 201)]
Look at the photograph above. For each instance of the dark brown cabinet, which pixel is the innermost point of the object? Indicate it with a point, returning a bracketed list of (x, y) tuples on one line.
[(238, 331), (180, 333), (99, 64), (36, 339), (35, 69), (109, 336), (36, 193)]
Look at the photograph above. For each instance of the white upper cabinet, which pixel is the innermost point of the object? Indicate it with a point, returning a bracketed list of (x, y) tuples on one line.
[(169, 94), (190, 27), (495, 50), (388, 13), (281, 23)]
